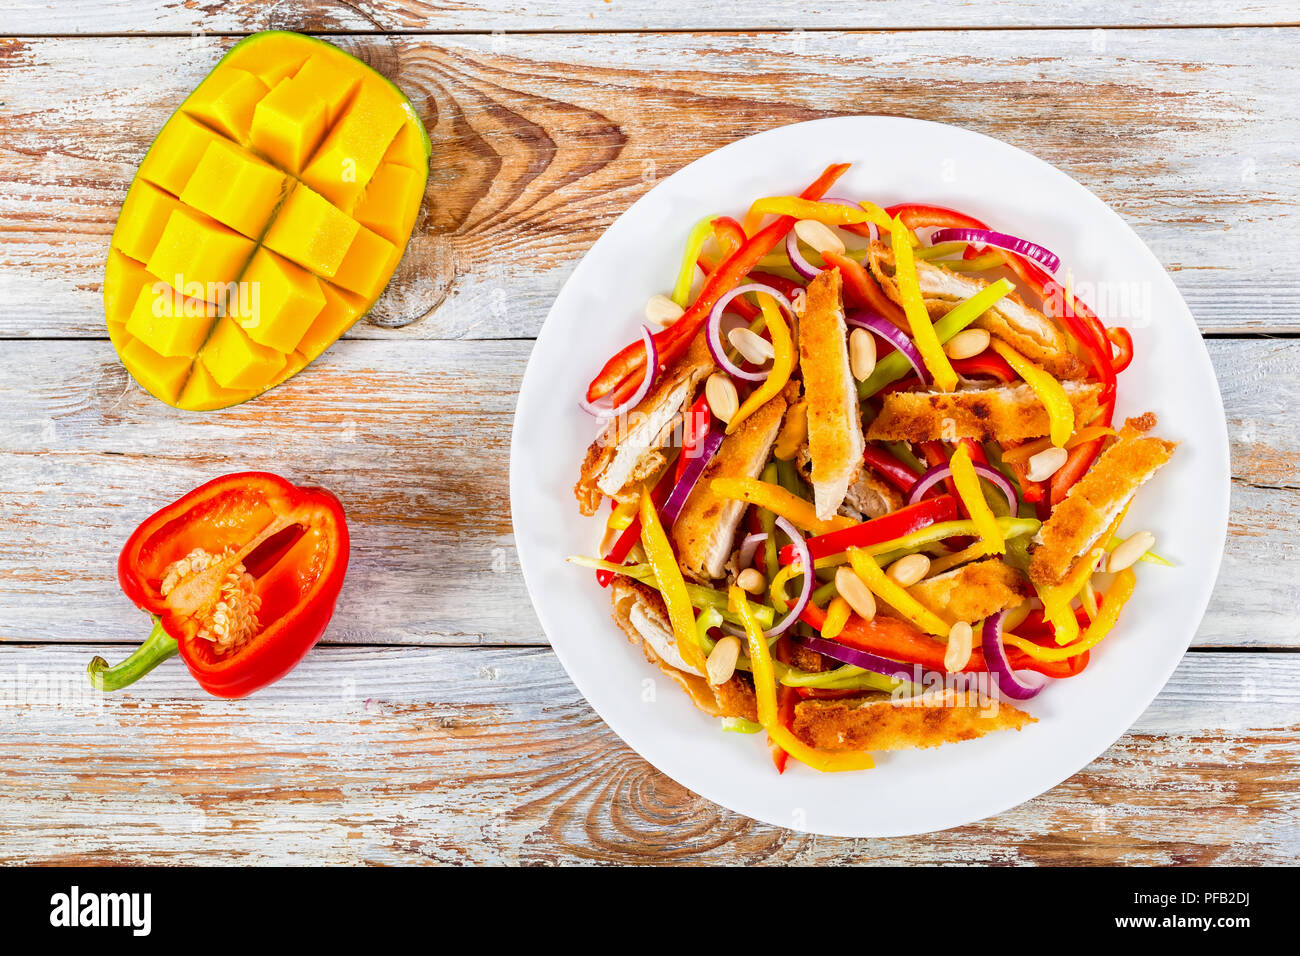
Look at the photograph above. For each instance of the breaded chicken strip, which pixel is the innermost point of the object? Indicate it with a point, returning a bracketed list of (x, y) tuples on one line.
[(639, 611), (1027, 330), (971, 592), (632, 448), (1089, 507), (835, 441), (941, 717), (705, 531), (1004, 413)]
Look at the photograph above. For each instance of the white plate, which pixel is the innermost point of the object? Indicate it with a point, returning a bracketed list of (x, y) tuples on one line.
[(1186, 506)]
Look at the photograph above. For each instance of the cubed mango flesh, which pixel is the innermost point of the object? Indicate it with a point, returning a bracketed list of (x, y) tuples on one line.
[(225, 101), (236, 361), (289, 123), (176, 152), (229, 271), (282, 301), (235, 188), (198, 255), (312, 232)]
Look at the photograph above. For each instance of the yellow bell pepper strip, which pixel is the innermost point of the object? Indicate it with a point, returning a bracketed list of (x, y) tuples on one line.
[(949, 561), (918, 319), (893, 594), (972, 496), (1057, 598), (695, 240), (760, 660), (659, 552), (623, 514), (893, 366), (776, 590), (1120, 591), (782, 364), (837, 615), (793, 433), (1060, 413), (774, 498)]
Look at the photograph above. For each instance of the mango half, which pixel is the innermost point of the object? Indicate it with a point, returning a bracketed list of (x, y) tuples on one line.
[(266, 218)]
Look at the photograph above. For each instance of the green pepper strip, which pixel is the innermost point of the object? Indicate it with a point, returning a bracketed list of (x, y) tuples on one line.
[(701, 597), (767, 520), (788, 478), (695, 240), (889, 551), (894, 366), (157, 647)]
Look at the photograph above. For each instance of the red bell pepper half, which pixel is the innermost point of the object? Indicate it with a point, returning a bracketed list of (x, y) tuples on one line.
[(241, 575)]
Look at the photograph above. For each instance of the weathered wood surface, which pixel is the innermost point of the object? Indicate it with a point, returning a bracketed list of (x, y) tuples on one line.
[(44, 17), (458, 755), (541, 141), (415, 439)]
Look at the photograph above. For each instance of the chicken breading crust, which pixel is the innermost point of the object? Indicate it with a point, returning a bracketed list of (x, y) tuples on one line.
[(937, 718), (971, 592), (1005, 413)]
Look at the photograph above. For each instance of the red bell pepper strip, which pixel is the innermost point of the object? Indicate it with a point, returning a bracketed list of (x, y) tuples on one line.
[(787, 287), (623, 372), (986, 363), (922, 215), (861, 290), (898, 474), (1076, 466), (786, 698), (887, 527), (739, 305), (241, 576), (632, 533), (729, 234), (1123, 341), (1030, 491)]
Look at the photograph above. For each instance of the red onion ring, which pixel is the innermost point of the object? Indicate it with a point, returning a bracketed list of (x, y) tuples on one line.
[(690, 476), (836, 651), (805, 593), (714, 333), (987, 237), (651, 371), (939, 472), (881, 326), (748, 547), (995, 656)]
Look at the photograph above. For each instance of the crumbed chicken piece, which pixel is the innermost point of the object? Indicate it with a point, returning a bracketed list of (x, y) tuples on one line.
[(971, 592), (704, 532), (633, 447), (835, 442), (881, 723), (640, 612), (1089, 507), (1004, 413), (1026, 330)]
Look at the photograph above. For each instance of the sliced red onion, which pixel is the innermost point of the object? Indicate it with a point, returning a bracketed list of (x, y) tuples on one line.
[(987, 237), (651, 371), (995, 656), (866, 660), (748, 547), (714, 334), (939, 472), (805, 594), (881, 326), (690, 476)]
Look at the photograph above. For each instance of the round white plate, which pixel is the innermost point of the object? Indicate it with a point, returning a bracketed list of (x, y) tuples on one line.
[(1186, 505)]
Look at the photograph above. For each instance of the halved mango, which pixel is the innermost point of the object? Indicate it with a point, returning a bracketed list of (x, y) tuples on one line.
[(238, 257)]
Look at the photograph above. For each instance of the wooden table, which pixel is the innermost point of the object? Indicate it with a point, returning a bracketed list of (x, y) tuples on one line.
[(434, 724)]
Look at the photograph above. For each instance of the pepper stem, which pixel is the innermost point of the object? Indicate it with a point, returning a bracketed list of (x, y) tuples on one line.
[(158, 647)]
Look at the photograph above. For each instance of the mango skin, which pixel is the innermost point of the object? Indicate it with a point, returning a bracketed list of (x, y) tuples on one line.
[(226, 367)]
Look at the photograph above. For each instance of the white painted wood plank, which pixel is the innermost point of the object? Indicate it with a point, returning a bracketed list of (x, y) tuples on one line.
[(146, 16), (415, 440), (541, 141), (457, 755)]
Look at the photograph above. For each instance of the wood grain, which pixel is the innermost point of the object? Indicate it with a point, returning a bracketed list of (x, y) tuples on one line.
[(458, 755), (542, 141), (237, 16), (415, 439)]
